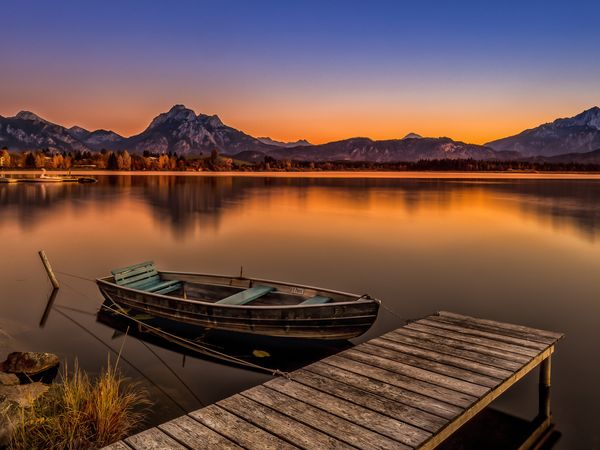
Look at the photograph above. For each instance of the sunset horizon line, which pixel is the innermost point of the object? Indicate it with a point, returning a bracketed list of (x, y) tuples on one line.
[(68, 124)]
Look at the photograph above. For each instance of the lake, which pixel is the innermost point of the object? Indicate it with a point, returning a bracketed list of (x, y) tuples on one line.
[(522, 249)]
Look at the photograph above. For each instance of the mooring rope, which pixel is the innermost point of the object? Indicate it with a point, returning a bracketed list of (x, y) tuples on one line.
[(133, 366), (394, 313), (181, 341), (195, 345)]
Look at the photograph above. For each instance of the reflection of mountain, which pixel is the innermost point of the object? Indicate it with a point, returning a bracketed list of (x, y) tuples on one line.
[(187, 203)]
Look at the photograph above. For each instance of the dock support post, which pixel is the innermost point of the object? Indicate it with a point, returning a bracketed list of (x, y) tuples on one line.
[(49, 270), (544, 405)]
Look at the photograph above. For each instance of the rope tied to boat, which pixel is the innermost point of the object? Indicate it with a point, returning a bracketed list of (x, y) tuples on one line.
[(180, 340), (194, 345), (281, 373)]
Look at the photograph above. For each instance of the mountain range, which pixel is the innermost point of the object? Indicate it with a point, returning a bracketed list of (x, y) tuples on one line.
[(183, 131)]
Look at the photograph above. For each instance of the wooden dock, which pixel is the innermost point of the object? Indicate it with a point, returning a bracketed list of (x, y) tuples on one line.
[(410, 388)]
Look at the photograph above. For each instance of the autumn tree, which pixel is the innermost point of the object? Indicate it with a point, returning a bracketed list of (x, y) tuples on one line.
[(112, 163), (5, 160), (126, 161)]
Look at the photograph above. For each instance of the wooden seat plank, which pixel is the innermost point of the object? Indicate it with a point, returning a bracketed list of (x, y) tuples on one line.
[(316, 300), (238, 430), (442, 357), (153, 439), (168, 284), (129, 269), (147, 275), (399, 431), (279, 424), (374, 386), (393, 409), (452, 347), (344, 430), (504, 348), (196, 436), (246, 296)]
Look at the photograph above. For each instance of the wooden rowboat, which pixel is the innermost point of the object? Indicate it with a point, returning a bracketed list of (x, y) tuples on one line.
[(242, 305)]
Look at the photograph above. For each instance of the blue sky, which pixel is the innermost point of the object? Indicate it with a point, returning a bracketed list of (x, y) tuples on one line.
[(316, 70)]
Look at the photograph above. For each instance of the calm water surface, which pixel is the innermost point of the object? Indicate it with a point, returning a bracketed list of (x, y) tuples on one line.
[(523, 251)]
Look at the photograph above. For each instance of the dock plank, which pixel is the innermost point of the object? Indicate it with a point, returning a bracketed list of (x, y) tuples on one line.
[(238, 430), (153, 439), (408, 389), (432, 390), (436, 353), (344, 430), (417, 373), (441, 323), (452, 347), (504, 326), (532, 337), (508, 350), (279, 424), (395, 410), (374, 386), (394, 429), (196, 436), (384, 349), (119, 445)]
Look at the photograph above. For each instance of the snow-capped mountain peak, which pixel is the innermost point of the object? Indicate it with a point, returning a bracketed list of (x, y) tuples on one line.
[(28, 115)]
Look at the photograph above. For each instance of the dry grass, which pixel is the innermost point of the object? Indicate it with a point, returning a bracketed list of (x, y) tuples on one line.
[(80, 413)]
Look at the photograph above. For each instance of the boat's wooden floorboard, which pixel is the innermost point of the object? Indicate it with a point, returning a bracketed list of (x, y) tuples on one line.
[(410, 388)]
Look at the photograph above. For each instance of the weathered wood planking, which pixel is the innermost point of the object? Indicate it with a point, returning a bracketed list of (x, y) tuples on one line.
[(410, 388)]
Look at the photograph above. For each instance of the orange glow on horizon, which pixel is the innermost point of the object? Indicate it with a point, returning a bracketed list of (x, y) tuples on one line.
[(322, 125)]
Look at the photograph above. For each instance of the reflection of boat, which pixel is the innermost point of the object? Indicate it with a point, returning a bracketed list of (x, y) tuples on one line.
[(244, 305), (214, 345), (4, 179), (44, 178)]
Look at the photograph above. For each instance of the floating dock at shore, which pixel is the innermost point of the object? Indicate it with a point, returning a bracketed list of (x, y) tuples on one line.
[(410, 388)]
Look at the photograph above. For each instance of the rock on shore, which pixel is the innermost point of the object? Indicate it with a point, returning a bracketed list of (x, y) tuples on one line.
[(29, 363)]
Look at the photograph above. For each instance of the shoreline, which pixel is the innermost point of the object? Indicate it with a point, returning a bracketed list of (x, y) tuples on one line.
[(334, 174)]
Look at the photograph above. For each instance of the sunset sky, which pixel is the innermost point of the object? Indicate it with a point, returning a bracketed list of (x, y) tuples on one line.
[(323, 70)]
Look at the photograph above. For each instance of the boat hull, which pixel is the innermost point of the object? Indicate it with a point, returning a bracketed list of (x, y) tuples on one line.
[(332, 321)]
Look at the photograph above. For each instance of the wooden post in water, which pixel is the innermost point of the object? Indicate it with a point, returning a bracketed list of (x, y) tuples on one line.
[(49, 270), (545, 369), (49, 305)]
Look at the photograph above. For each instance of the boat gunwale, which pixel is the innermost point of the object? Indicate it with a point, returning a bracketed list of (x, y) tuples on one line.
[(358, 299)]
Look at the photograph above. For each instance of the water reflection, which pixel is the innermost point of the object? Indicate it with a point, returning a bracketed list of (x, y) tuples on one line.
[(250, 352), (186, 204), (521, 251)]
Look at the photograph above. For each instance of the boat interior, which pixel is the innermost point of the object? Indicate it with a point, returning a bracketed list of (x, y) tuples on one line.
[(230, 291)]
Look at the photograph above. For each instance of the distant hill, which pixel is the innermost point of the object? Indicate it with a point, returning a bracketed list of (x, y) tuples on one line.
[(180, 130), (578, 134), (393, 150), (269, 141)]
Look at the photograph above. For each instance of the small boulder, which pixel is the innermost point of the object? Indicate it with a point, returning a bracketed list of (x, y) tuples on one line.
[(23, 394), (29, 363), (8, 379)]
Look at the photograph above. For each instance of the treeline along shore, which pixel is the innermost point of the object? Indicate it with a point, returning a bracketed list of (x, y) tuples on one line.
[(215, 162)]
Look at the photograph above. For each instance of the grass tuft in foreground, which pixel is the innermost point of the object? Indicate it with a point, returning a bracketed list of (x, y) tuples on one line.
[(81, 413)]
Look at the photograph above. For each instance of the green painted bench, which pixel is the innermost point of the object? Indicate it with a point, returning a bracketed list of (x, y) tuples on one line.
[(316, 300), (243, 297), (144, 277)]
